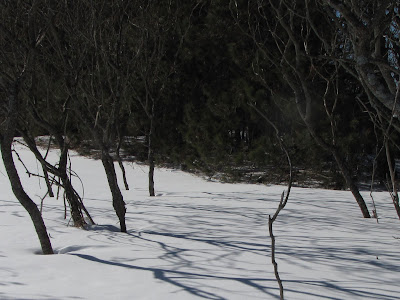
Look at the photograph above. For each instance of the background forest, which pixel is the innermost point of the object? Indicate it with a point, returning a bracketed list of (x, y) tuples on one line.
[(201, 85)]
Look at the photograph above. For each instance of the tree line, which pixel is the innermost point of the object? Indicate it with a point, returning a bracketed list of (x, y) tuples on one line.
[(197, 83)]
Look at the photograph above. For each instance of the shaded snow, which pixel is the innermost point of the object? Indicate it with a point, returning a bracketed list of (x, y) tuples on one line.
[(197, 240)]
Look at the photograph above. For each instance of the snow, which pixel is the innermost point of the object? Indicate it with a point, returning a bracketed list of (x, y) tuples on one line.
[(196, 239)]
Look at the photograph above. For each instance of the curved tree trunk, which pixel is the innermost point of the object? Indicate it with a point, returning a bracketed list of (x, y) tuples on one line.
[(393, 193), (24, 199), (16, 185), (351, 184), (47, 180), (118, 201), (296, 65), (343, 169), (120, 163), (73, 201), (304, 107)]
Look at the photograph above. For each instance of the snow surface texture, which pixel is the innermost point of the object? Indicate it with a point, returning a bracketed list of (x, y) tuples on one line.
[(197, 240)]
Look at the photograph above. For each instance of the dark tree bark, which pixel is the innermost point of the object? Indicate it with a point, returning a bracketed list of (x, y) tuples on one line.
[(350, 183), (288, 50), (302, 95), (393, 192), (93, 58), (155, 63), (118, 201), (282, 203), (150, 156), (372, 29), (7, 136), (120, 163), (23, 198), (151, 172), (48, 183), (74, 202)]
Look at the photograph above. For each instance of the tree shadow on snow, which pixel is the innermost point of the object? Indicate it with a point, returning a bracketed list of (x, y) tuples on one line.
[(199, 237), (180, 279)]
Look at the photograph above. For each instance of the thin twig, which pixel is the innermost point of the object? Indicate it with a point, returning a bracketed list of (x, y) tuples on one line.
[(283, 200)]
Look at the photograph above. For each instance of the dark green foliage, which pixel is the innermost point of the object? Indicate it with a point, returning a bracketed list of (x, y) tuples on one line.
[(200, 64)]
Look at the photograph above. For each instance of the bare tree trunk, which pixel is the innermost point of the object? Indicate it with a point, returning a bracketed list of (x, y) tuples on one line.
[(100, 135), (282, 203), (16, 185), (121, 165), (351, 184), (273, 260), (292, 58), (345, 173), (151, 172), (151, 155), (393, 193), (48, 184), (330, 148), (24, 199), (118, 201), (74, 202)]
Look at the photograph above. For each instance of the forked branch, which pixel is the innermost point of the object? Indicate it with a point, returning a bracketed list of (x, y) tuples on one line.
[(282, 202)]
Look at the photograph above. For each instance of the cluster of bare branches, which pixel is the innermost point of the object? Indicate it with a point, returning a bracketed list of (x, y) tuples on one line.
[(76, 70), (313, 45)]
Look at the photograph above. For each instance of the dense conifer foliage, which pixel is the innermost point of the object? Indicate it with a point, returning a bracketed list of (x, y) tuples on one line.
[(184, 83)]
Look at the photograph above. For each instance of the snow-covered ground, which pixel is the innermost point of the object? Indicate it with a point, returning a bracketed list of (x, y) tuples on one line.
[(197, 239)]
